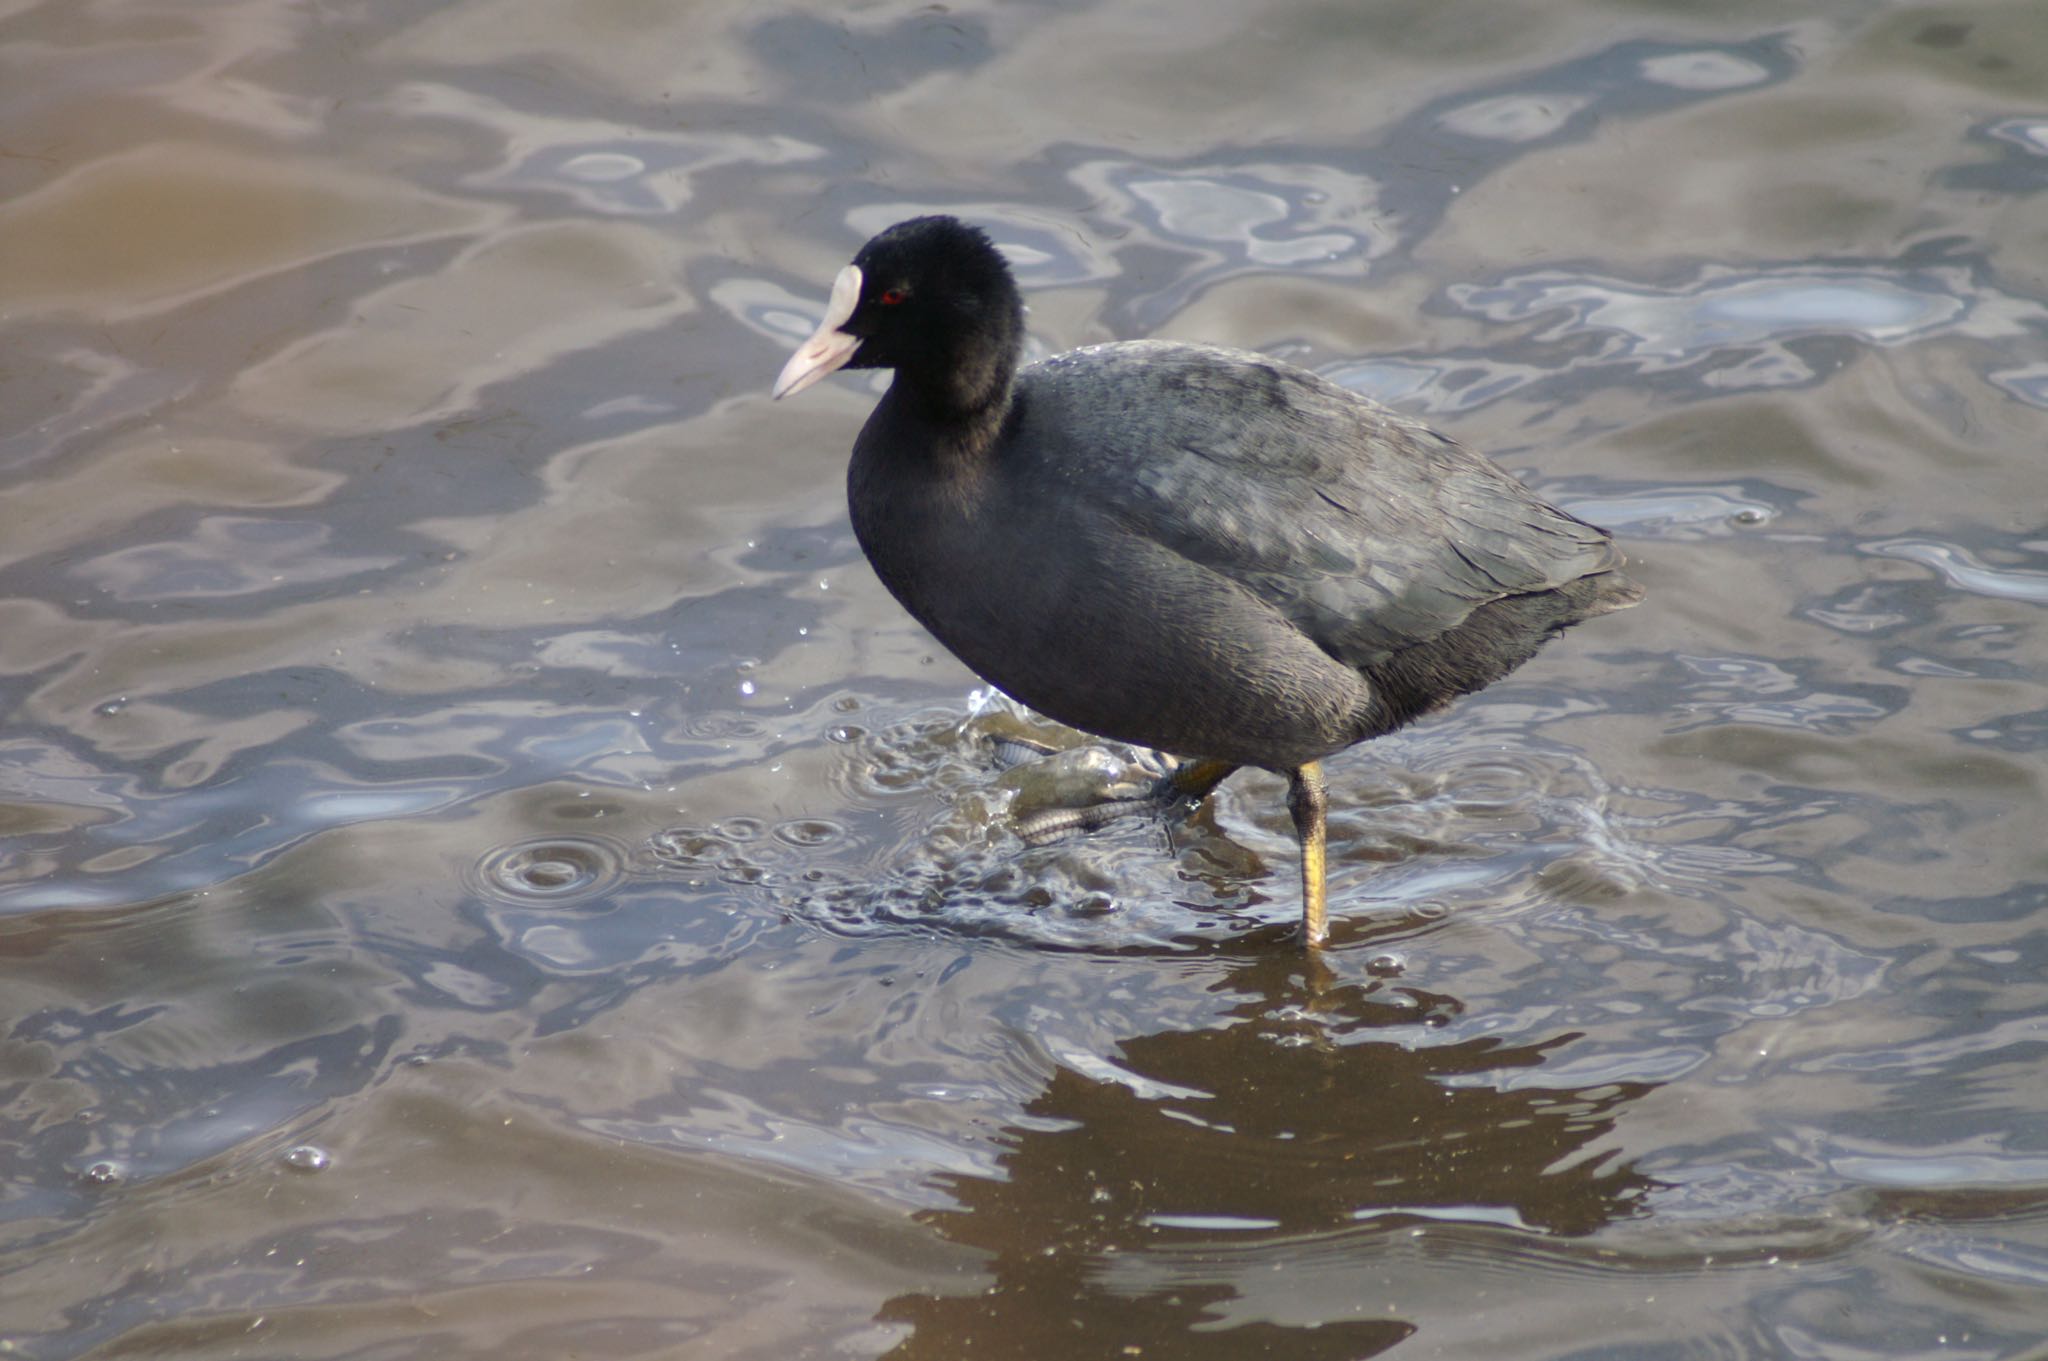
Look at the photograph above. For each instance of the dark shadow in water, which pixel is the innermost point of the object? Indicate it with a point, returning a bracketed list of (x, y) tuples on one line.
[(1152, 1210)]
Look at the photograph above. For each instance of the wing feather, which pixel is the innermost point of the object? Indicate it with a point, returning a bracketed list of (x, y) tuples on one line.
[(1364, 529)]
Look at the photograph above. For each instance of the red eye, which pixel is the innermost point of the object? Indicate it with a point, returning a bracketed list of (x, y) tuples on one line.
[(891, 296)]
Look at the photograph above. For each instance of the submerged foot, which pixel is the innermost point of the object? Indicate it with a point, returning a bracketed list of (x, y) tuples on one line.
[(1055, 792)]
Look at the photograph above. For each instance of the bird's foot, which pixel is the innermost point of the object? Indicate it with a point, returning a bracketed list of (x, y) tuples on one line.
[(1078, 789)]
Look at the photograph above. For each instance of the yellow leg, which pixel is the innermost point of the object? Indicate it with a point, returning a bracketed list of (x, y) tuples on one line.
[(1306, 801), (1194, 779)]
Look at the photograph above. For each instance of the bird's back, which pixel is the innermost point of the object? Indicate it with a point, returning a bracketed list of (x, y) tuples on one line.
[(1367, 530)]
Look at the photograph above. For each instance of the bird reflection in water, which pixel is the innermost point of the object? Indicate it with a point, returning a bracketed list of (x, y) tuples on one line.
[(1217, 1186)]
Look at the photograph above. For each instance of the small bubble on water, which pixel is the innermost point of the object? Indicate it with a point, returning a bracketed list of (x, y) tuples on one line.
[(547, 875), (746, 687), (809, 832), (105, 1172), (553, 869), (111, 707), (307, 1158), (1384, 966), (1750, 515)]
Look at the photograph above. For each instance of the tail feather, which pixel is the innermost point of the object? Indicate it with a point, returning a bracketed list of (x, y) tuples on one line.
[(1492, 641)]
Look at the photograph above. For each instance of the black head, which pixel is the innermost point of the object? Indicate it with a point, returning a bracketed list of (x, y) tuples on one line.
[(931, 298)]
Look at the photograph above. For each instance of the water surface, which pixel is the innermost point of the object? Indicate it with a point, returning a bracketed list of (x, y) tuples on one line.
[(488, 871)]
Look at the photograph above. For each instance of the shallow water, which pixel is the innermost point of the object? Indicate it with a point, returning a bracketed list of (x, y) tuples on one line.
[(489, 872)]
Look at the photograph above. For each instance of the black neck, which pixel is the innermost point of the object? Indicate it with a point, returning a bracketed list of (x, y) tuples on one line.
[(943, 424), (964, 401)]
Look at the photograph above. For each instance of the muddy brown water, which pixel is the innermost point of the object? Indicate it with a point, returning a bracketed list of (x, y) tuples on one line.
[(488, 872)]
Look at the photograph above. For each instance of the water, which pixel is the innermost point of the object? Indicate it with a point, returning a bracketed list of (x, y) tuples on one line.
[(489, 872)]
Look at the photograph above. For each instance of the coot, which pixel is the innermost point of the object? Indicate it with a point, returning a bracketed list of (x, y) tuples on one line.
[(1200, 550)]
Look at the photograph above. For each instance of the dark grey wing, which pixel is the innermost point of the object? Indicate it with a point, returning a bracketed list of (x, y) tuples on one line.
[(1367, 531)]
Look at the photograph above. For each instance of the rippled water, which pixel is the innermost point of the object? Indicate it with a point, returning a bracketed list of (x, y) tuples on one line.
[(487, 871)]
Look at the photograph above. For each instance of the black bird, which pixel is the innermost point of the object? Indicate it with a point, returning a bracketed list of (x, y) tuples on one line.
[(1200, 550)]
